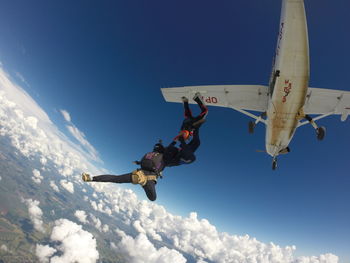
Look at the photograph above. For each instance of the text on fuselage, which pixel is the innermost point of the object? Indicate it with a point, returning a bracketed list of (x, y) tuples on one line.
[(286, 89)]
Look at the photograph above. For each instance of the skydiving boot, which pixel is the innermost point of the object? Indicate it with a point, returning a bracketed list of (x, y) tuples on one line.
[(86, 177), (184, 99), (198, 98)]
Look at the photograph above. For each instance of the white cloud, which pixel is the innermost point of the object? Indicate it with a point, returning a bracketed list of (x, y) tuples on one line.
[(74, 244), (105, 228), (0, 178), (32, 133), (66, 115), (326, 258), (54, 186), (4, 248), (44, 252), (101, 207), (195, 236), (141, 250), (67, 185), (97, 222), (35, 214), (37, 177), (81, 215)]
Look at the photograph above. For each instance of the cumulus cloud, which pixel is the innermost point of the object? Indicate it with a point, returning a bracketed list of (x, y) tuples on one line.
[(73, 244), (326, 258), (0, 178), (44, 252), (37, 177), (67, 185), (105, 228), (97, 222), (35, 214), (4, 248), (81, 215), (101, 207), (195, 236), (141, 250), (54, 186)]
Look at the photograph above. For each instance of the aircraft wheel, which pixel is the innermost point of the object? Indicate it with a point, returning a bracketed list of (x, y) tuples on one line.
[(274, 164), (321, 132), (251, 127)]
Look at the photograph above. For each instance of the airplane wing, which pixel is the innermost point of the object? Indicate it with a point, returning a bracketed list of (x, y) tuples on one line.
[(238, 97), (327, 102), (322, 101)]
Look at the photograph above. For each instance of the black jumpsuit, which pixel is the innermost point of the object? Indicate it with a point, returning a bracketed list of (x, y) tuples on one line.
[(189, 120), (149, 187)]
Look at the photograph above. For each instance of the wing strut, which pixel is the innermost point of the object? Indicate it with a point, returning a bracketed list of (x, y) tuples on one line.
[(317, 118), (257, 118)]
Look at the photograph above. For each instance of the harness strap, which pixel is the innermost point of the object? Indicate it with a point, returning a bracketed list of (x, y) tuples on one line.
[(139, 177)]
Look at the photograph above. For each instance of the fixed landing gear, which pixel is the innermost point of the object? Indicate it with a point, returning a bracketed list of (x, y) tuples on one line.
[(274, 163), (252, 124), (320, 131)]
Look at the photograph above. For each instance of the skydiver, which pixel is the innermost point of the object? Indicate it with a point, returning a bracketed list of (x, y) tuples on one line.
[(152, 165), (189, 123), (190, 127)]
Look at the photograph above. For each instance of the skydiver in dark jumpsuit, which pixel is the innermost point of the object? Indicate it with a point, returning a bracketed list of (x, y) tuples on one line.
[(190, 127)]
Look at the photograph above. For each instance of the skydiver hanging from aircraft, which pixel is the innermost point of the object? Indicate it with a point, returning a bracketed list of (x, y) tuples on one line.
[(190, 123), (175, 156)]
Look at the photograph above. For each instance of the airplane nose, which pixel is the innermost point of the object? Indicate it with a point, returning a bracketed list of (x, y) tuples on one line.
[(272, 150)]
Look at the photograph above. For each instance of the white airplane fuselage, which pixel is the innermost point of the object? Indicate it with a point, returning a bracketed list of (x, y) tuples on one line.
[(288, 91)]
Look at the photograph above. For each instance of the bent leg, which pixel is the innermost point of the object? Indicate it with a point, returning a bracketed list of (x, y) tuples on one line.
[(150, 190), (125, 178), (202, 106)]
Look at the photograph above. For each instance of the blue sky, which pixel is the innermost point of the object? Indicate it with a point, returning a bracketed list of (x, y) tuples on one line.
[(105, 63)]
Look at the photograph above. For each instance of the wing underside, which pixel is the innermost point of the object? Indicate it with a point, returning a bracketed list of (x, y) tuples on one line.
[(323, 101), (244, 97), (326, 102)]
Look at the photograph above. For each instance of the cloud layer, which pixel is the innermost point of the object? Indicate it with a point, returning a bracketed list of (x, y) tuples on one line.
[(33, 134)]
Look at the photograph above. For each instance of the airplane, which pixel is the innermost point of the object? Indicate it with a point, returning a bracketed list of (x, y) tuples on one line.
[(287, 103)]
